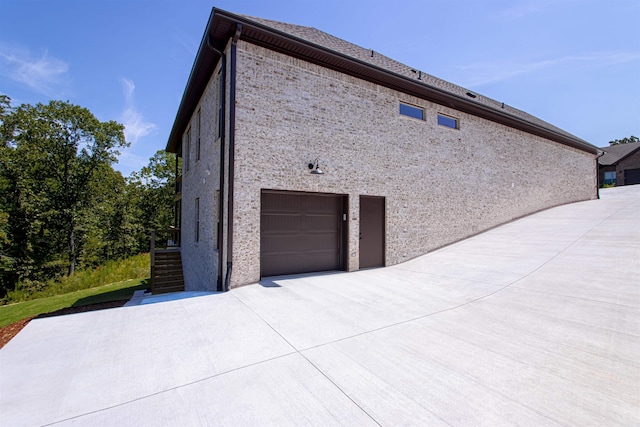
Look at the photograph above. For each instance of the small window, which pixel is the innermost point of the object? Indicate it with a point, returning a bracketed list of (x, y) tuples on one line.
[(610, 178), (449, 122), (411, 111), (198, 140), (187, 149), (197, 228)]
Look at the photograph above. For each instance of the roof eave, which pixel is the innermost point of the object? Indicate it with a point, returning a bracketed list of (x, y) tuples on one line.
[(220, 23), (194, 88), (619, 159)]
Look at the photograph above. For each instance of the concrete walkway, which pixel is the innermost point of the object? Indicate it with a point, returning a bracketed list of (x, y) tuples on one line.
[(533, 323)]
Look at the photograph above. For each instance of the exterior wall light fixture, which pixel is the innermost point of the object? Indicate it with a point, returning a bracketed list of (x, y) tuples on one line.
[(315, 168)]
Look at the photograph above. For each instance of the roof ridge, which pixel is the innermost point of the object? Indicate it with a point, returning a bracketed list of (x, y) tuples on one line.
[(266, 22)]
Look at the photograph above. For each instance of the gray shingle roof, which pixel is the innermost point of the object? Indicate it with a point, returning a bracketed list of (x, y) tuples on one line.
[(344, 47), (318, 47), (615, 153)]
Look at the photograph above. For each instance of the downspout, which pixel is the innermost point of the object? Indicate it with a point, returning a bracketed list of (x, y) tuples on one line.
[(598, 174), (232, 140), (221, 123), (175, 193)]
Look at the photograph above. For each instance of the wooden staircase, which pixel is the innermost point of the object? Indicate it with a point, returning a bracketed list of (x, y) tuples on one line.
[(166, 271)]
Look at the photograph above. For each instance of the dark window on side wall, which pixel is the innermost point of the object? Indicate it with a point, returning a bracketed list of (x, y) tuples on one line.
[(187, 149), (411, 111), (197, 230), (198, 140), (449, 122)]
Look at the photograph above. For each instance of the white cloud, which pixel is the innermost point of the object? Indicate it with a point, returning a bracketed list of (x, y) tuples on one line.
[(480, 74), (44, 74), (135, 126), (189, 44), (130, 162)]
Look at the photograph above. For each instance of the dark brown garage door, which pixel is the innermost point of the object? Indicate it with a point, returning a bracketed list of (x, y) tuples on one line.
[(300, 232), (631, 176)]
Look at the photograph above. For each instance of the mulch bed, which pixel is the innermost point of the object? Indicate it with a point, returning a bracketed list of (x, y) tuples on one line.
[(10, 331)]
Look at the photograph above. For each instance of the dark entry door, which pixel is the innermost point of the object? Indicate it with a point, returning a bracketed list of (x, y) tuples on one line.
[(371, 231), (300, 232)]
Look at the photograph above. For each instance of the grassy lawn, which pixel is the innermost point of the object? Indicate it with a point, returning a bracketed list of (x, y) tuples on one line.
[(112, 292), (111, 272)]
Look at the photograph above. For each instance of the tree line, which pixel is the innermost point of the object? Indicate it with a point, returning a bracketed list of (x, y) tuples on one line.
[(62, 205), (628, 140)]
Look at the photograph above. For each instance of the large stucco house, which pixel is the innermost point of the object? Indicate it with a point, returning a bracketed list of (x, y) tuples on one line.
[(302, 152)]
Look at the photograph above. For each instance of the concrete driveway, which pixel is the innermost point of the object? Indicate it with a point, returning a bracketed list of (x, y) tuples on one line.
[(534, 323)]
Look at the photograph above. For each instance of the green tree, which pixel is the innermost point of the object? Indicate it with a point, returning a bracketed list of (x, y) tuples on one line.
[(53, 159), (110, 225), (5, 105), (628, 140), (152, 191), (5, 259)]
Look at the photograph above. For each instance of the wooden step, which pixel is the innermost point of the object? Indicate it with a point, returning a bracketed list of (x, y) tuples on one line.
[(169, 284), (168, 268), (167, 289), (167, 275), (167, 258), (168, 278), (169, 261)]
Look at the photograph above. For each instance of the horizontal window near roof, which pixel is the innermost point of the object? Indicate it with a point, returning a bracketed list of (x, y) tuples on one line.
[(447, 121), (411, 111)]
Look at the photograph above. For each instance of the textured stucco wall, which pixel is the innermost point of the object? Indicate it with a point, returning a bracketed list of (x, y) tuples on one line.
[(441, 185), (201, 180)]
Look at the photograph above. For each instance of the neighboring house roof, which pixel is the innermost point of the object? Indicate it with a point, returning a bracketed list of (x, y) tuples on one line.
[(324, 49), (614, 153)]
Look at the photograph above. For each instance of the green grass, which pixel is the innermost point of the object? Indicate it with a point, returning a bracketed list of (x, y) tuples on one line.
[(113, 271), (106, 293), (114, 281)]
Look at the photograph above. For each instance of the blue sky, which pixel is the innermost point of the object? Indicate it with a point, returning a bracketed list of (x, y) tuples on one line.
[(573, 63)]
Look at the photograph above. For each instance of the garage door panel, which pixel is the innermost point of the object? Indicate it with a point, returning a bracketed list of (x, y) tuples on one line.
[(276, 223), (321, 241), (275, 265), (298, 242), (321, 222), (312, 230), (291, 242), (300, 233), (631, 176)]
